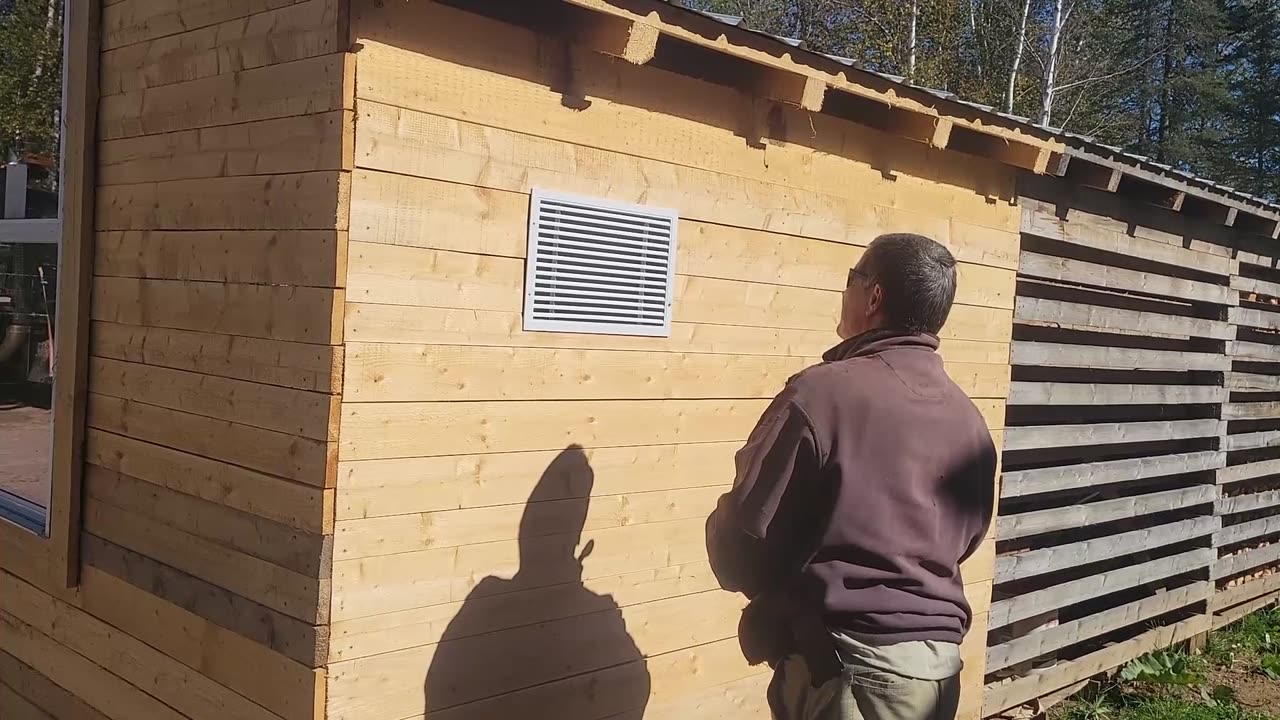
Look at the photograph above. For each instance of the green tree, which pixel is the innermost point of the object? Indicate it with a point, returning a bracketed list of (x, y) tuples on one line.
[(1248, 153), (30, 76)]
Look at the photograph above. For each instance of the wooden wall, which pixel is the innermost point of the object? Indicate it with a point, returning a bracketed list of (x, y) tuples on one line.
[(224, 155), (1116, 439), (447, 574)]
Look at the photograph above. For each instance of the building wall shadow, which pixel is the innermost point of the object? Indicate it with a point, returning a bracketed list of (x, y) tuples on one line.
[(491, 662)]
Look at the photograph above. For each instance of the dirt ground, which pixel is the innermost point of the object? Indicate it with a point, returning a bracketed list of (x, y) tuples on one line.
[(1253, 691), (25, 446)]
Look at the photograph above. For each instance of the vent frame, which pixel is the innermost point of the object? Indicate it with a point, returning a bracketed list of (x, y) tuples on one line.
[(541, 206)]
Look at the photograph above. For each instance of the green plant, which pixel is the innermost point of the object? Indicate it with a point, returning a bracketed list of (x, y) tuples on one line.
[(1162, 668), (1269, 665)]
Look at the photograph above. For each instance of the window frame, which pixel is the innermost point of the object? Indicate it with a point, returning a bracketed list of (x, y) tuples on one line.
[(51, 560)]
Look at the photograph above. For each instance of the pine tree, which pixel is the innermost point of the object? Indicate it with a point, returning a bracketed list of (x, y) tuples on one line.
[(1248, 155), (30, 76)]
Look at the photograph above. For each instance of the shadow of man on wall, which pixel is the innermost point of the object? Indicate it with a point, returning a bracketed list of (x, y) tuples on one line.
[(540, 645)]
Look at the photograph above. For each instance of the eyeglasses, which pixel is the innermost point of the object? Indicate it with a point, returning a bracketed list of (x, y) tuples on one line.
[(856, 273)]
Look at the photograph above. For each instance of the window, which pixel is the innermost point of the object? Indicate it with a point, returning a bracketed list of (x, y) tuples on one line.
[(599, 267), (46, 135)]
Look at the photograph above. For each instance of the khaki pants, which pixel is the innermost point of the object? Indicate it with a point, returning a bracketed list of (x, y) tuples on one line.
[(860, 693)]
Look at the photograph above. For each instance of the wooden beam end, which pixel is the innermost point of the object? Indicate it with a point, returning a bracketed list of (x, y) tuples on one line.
[(1230, 219), (1113, 182), (813, 95), (641, 44), (941, 133)]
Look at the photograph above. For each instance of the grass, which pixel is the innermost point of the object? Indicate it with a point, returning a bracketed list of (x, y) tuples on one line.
[(1251, 645)]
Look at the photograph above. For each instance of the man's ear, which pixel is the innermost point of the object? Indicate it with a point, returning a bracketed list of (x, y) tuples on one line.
[(874, 299)]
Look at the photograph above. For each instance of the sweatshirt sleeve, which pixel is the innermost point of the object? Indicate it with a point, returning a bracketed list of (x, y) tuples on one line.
[(763, 529)]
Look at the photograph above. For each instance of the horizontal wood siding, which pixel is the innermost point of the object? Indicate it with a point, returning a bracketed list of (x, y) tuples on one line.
[(1113, 445), (215, 375), (478, 462)]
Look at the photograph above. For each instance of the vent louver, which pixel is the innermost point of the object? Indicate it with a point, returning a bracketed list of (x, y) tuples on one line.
[(599, 267)]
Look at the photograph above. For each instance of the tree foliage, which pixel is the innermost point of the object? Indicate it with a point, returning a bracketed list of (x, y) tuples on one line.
[(30, 77), (1192, 83)]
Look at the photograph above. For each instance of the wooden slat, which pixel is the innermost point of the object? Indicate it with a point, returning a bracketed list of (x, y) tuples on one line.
[(273, 35), (100, 689), (402, 372), (15, 707), (1067, 672), (402, 210), (392, 583), (1096, 513), (178, 686), (391, 684), (294, 412), (274, 543), (1247, 503), (1228, 597), (458, 150), (295, 505), (451, 528), (1114, 278), (1069, 633), (1228, 616), (283, 686), (298, 314), (1080, 316), (1036, 602), (1046, 354), (134, 21), (618, 92), (293, 638), (301, 201), (43, 692), (1247, 560), (1253, 382), (282, 146), (270, 362), (1248, 471), (303, 87), (1048, 436), (1262, 352), (1177, 237), (1081, 228), (397, 275), (313, 258), (306, 461), (285, 591), (388, 632), (1044, 560), (1063, 393), (1252, 317), (1251, 410), (1251, 441), (375, 488), (1240, 532), (1018, 483), (1253, 285)]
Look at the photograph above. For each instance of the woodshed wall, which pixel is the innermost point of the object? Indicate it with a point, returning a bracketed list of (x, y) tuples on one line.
[(224, 150), (461, 490)]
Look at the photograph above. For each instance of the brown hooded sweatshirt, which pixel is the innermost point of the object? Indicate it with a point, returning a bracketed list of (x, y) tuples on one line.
[(864, 485)]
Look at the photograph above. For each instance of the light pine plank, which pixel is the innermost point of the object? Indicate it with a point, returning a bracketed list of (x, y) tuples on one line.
[(313, 258), (1251, 441), (451, 528), (16, 707), (1251, 410), (282, 590), (1253, 382), (1018, 483), (1258, 352), (1231, 615), (403, 372), (300, 459), (134, 21), (297, 314), (1246, 531), (276, 32), (299, 201), (1037, 602), (1082, 316), (304, 87), (1042, 560), (1034, 437), (1248, 471), (1065, 393), (1253, 317), (1095, 513), (1046, 354), (403, 210), (1247, 502), (43, 692), (1229, 597), (1253, 285), (296, 505), (377, 488), (1041, 642), (1113, 278), (1247, 560), (1072, 671), (270, 362)]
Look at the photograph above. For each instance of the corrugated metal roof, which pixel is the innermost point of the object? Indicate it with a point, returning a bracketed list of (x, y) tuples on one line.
[(1082, 142)]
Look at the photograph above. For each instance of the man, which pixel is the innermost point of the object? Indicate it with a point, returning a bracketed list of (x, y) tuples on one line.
[(864, 485)]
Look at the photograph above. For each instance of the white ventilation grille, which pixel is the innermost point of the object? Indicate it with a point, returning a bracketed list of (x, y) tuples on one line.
[(599, 267)]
